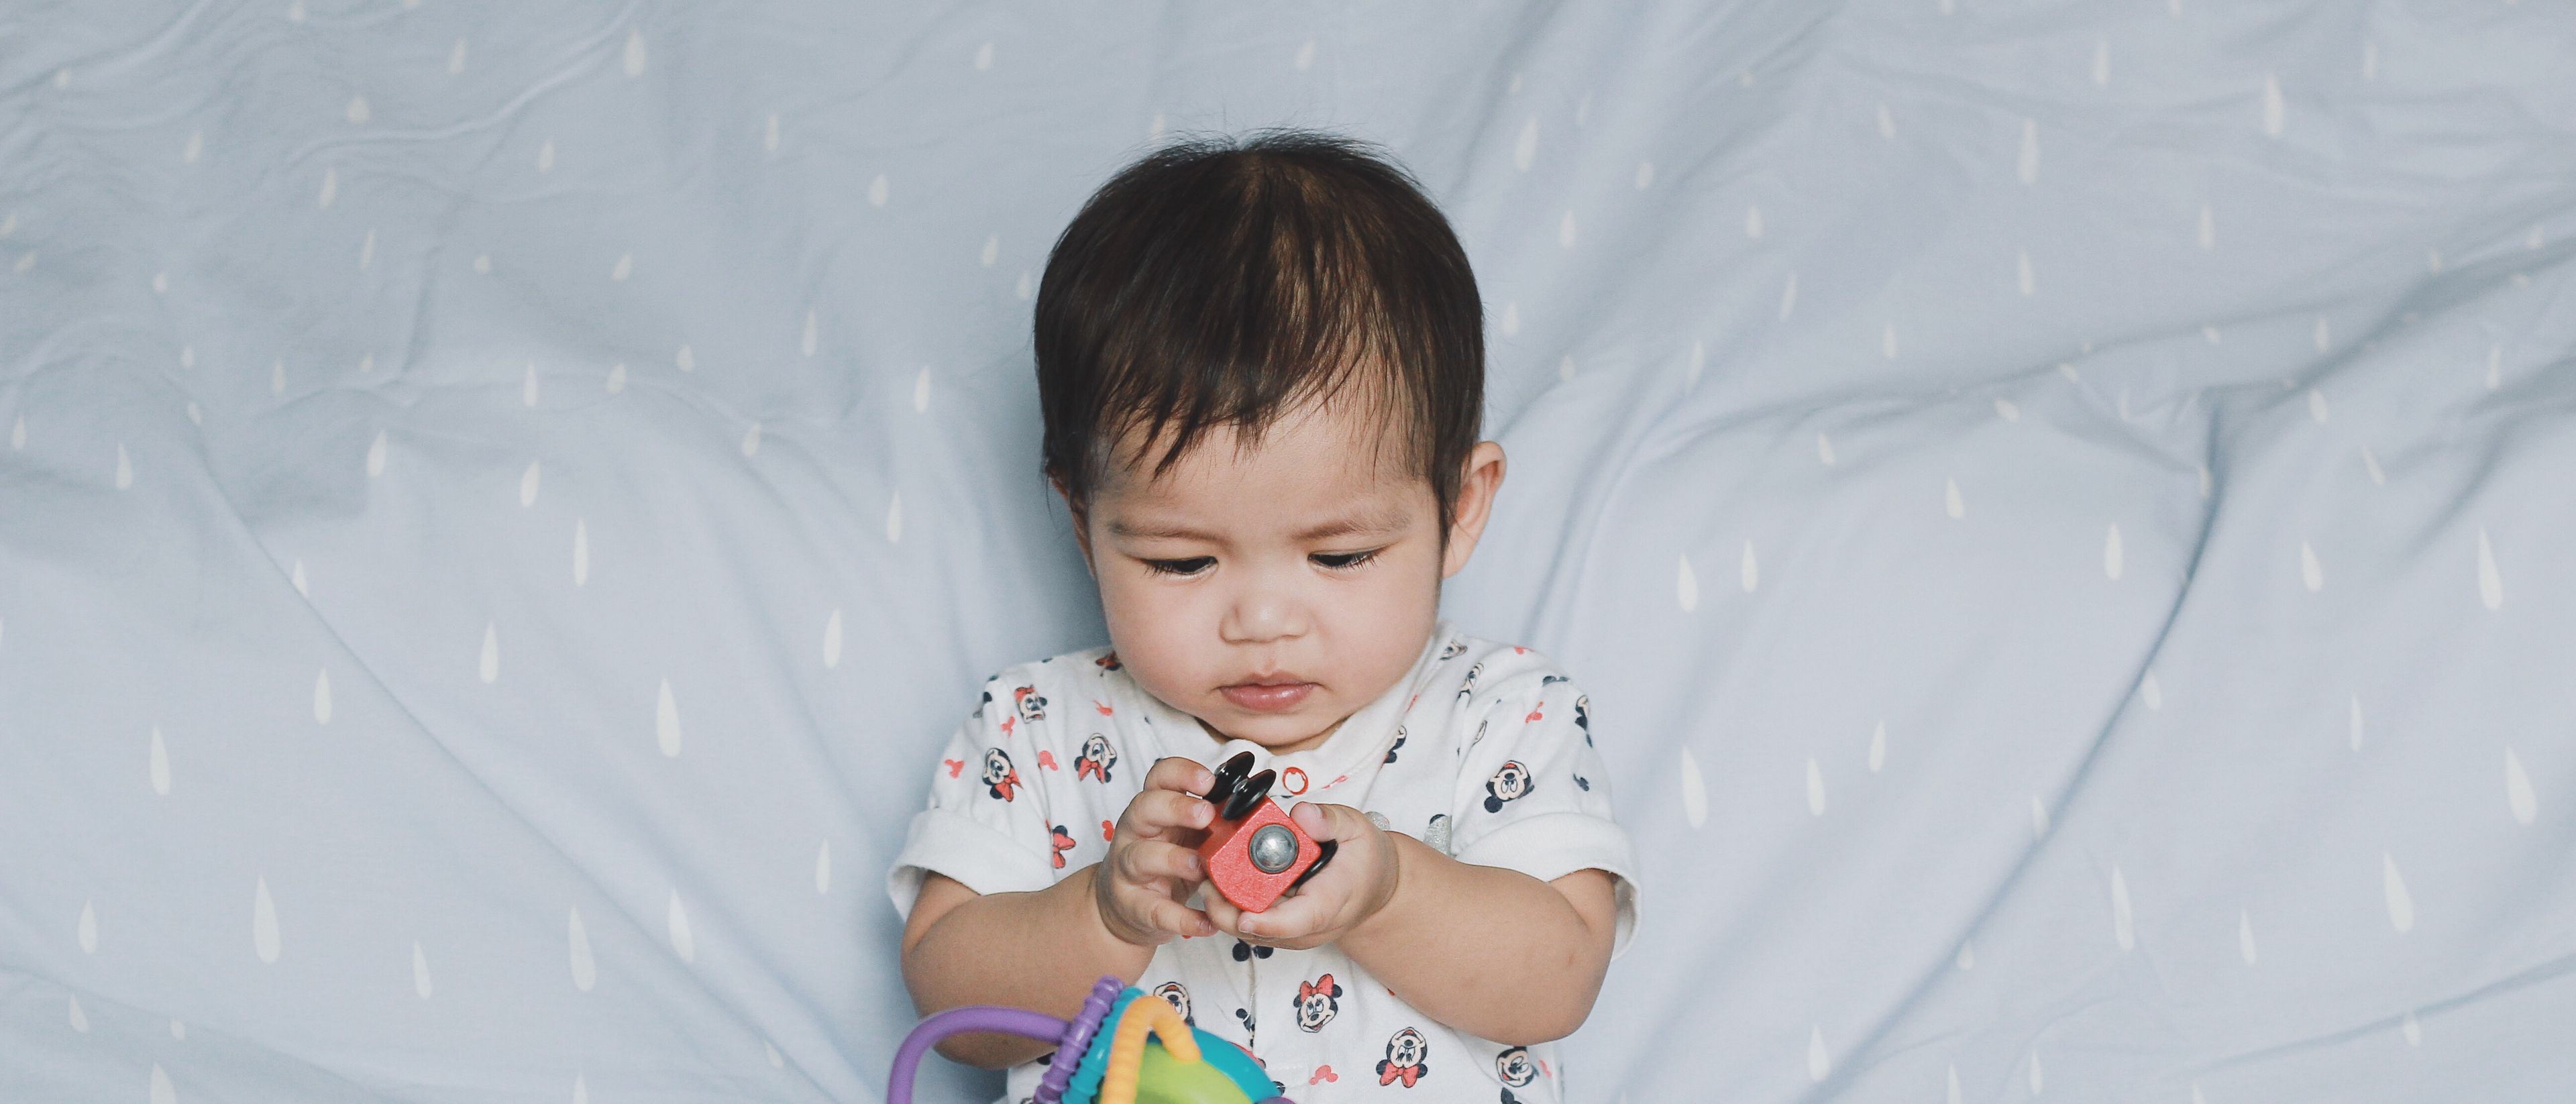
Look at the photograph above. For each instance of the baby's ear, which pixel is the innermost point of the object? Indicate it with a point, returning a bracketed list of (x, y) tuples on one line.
[(1477, 485)]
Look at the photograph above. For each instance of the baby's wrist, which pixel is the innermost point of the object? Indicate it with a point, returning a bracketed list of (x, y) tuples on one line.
[(1389, 881)]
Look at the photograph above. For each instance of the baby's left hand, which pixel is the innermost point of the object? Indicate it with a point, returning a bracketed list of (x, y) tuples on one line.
[(1353, 887)]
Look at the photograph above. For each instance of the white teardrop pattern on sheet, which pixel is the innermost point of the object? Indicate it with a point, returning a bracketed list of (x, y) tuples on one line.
[(1820, 1065), (1694, 791), (823, 868), (322, 698), (2518, 795), (2245, 936), (419, 971), (2490, 584), (585, 968), (1815, 788), (2123, 922), (2113, 556), (1685, 585), (2401, 904), (263, 923), (160, 764), (832, 640), (682, 942), (635, 53), (528, 484), (87, 932), (580, 551), (489, 666), (666, 722), (1752, 571)]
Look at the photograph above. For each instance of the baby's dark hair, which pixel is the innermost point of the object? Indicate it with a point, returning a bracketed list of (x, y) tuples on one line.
[(1223, 282)]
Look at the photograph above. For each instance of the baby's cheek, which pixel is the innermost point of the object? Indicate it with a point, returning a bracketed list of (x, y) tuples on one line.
[(1152, 630)]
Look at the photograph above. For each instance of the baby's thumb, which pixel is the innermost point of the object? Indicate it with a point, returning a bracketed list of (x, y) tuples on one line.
[(1335, 822)]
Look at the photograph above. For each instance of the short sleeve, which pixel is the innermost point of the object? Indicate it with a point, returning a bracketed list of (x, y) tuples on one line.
[(987, 824), (1534, 796)]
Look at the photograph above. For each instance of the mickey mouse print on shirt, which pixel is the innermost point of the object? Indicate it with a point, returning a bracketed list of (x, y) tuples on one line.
[(1511, 782), (1515, 1070), (1178, 996), (1317, 1001), (1407, 1059), (1097, 757), (1000, 779)]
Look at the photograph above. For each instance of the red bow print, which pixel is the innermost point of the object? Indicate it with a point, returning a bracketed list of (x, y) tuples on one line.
[(1534, 715), (1009, 786), (1389, 1073), (1321, 1075), (1102, 706), (1085, 768), (1108, 831), (1306, 989), (1063, 843)]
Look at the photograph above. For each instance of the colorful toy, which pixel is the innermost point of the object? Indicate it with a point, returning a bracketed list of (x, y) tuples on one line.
[(1124, 1047), (1254, 852)]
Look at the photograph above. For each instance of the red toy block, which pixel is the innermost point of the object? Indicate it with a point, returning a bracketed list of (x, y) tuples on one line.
[(1255, 860)]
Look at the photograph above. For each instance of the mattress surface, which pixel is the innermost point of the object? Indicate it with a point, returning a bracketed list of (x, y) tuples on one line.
[(2063, 513)]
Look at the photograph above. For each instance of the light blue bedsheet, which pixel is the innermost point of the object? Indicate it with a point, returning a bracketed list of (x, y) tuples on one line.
[(2064, 510)]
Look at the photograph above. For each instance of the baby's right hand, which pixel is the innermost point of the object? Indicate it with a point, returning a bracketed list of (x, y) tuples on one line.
[(1153, 862)]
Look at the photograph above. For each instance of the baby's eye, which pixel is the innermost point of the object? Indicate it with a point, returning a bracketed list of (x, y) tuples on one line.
[(1340, 560), (1191, 566)]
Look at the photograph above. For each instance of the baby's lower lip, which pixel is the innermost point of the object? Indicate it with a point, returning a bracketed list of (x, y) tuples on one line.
[(1267, 699)]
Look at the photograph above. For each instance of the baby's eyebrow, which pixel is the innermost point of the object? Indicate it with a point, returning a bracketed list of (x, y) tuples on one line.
[(1385, 522), (1159, 532)]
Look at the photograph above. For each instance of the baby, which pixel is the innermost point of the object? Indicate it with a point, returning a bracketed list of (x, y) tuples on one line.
[(1261, 366)]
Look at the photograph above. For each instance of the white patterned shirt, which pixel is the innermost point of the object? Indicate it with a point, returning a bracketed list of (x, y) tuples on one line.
[(1482, 751)]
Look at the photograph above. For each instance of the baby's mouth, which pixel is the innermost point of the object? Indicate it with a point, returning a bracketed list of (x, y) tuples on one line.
[(1268, 694)]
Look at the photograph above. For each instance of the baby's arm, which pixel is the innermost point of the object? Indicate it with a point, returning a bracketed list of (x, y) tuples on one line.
[(1043, 949), (1492, 952)]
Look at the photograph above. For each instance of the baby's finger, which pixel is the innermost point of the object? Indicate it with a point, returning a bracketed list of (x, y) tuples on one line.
[(1291, 918), (1167, 915), (1333, 822), (1222, 913), (1177, 773), (1148, 859), (1158, 813)]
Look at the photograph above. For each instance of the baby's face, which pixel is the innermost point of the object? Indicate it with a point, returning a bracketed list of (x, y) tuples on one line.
[(1273, 592)]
